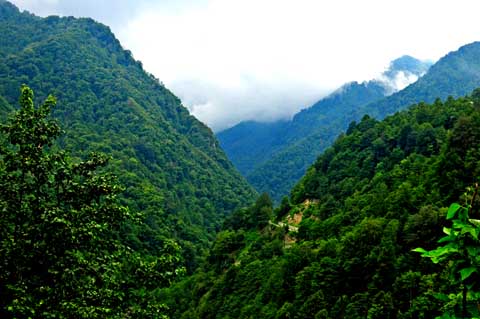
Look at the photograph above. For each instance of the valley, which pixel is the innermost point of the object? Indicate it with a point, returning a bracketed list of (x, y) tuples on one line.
[(117, 202)]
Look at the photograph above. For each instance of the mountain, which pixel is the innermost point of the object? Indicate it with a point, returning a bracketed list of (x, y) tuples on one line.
[(341, 245), (171, 165), (250, 142), (403, 71), (273, 156), (456, 74)]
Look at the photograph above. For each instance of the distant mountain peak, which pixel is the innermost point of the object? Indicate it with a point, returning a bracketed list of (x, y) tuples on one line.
[(407, 63), (402, 72)]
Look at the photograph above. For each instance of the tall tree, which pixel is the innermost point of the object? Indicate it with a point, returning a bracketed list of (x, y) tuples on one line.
[(61, 255)]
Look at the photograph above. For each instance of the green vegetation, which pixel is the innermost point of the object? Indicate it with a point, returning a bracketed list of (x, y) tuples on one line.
[(170, 164), (62, 256), (274, 156), (313, 130), (379, 192), (461, 250), (342, 245)]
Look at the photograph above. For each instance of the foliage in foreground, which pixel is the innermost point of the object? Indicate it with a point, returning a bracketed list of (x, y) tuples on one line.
[(61, 255), (461, 254)]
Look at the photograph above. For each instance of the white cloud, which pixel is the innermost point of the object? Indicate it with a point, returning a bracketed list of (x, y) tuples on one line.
[(232, 60), (112, 13), (266, 59), (252, 99), (399, 81)]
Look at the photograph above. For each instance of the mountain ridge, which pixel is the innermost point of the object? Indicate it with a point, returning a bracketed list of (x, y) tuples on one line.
[(285, 154), (456, 74), (171, 164)]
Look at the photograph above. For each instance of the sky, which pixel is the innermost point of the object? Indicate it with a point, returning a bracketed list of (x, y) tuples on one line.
[(236, 60)]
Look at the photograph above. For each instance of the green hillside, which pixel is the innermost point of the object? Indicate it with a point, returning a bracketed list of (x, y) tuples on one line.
[(170, 163), (163, 226), (456, 74), (314, 129), (274, 156), (309, 133), (381, 190)]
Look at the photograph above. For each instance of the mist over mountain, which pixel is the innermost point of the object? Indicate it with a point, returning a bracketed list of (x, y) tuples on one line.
[(283, 158), (402, 72), (274, 155), (456, 74)]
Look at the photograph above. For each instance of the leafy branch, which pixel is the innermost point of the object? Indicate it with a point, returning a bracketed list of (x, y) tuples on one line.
[(460, 249)]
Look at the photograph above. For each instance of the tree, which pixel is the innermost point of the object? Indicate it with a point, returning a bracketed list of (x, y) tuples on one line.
[(61, 255)]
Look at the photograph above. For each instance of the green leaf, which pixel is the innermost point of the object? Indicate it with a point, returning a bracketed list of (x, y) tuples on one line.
[(466, 272), (459, 224), (452, 210), (447, 230), (420, 250), (440, 251), (469, 229), (439, 254), (445, 239), (475, 222)]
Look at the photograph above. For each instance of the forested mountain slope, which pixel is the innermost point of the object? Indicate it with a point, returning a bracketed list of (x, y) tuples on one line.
[(273, 156), (381, 190), (309, 133), (170, 163), (456, 74)]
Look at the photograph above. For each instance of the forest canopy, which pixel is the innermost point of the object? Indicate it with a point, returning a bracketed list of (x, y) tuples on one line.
[(380, 191)]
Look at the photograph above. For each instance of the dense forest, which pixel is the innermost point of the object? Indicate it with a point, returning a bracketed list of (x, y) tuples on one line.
[(341, 245), (115, 202), (170, 163), (314, 129), (61, 227)]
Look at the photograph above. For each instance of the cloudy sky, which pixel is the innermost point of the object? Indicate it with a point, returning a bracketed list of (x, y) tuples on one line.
[(234, 60)]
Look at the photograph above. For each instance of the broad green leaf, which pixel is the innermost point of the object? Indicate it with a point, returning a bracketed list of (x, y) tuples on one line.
[(439, 254), (452, 210), (470, 230), (476, 222), (440, 251), (466, 272)]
